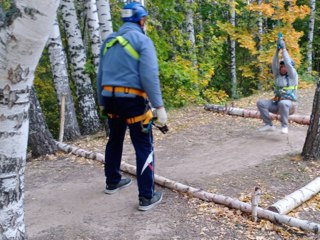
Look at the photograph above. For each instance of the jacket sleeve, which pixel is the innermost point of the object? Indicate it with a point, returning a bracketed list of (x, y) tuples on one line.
[(149, 73), (292, 73), (275, 64)]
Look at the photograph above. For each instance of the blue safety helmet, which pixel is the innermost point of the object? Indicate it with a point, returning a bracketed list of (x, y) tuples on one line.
[(133, 12)]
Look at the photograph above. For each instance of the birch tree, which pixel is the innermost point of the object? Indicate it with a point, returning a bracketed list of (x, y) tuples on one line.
[(22, 39), (87, 106), (61, 82), (40, 139), (190, 30), (260, 48), (105, 20), (92, 21), (233, 52), (310, 34)]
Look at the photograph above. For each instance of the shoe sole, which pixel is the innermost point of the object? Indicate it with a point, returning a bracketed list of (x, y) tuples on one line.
[(106, 191), (146, 208), (267, 130)]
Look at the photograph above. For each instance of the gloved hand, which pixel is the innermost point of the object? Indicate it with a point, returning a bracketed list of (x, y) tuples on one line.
[(102, 112), (281, 44), (161, 116)]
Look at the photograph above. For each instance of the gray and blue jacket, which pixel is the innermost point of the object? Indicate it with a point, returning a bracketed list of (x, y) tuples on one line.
[(119, 68), (291, 78)]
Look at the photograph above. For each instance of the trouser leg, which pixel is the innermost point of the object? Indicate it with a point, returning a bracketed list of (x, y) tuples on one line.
[(284, 108), (143, 145), (114, 149), (265, 106)]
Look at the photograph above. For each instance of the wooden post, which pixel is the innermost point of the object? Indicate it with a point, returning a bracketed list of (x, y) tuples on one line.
[(255, 203), (62, 117)]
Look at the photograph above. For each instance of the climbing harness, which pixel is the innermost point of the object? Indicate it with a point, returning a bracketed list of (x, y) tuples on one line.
[(126, 90), (125, 44), (146, 118)]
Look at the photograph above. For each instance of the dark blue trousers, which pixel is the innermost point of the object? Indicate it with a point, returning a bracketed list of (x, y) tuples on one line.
[(142, 142)]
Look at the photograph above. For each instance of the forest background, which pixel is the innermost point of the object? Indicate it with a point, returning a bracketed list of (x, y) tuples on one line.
[(208, 51)]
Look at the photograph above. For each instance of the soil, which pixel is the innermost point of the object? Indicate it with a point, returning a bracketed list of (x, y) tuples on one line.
[(219, 153)]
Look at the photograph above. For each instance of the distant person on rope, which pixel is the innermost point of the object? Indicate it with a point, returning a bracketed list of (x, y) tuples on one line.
[(286, 85), (128, 79)]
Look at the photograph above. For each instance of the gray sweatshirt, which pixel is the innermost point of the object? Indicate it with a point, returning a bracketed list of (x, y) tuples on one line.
[(291, 79)]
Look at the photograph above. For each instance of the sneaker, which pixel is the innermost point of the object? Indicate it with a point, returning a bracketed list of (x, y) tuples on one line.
[(146, 204), (112, 188), (267, 128), (284, 130)]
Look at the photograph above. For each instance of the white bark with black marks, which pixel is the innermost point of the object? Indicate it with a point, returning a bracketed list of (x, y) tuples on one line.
[(310, 34), (61, 82), (21, 45), (105, 20), (247, 113), (87, 106), (260, 47), (190, 31), (295, 199), (93, 27), (233, 52)]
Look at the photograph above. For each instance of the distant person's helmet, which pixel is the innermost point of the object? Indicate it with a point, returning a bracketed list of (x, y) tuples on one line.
[(133, 12)]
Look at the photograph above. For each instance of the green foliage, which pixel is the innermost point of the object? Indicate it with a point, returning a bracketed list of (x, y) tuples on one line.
[(47, 94), (202, 73), (179, 81), (5, 4), (89, 68), (215, 97)]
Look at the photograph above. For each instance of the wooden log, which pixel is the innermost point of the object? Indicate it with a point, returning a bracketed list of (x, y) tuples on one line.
[(246, 113), (201, 194), (296, 198)]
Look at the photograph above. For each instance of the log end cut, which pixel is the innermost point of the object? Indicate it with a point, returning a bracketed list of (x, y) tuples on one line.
[(274, 209)]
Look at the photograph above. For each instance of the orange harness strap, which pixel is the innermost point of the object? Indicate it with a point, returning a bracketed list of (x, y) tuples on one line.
[(146, 118), (127, 90)]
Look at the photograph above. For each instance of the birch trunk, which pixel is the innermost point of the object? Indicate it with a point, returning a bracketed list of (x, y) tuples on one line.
[(201, 194), (93, 27), (296, 198), (61, 82), (190, 31), (304, 120), (105, 20), (40, 139), (311, 148), (233, 53), (260, 48), (310, 34), (87, 106), (21, 43), (255, 199)]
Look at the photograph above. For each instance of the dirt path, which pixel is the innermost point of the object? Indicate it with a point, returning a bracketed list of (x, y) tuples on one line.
[(65, 200)]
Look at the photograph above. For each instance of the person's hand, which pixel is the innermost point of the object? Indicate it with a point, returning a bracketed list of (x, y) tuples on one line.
[(161, 116), (281, 44)]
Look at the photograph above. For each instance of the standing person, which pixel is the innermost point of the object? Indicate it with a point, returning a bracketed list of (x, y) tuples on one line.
[(286, 85), (128, 79)]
